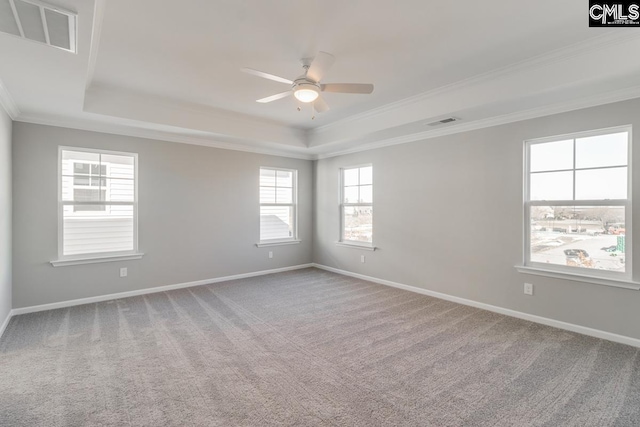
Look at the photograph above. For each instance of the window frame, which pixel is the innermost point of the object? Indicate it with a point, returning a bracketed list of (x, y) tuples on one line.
[(293, 205), (342, 241), (96, 256), (613, 278)]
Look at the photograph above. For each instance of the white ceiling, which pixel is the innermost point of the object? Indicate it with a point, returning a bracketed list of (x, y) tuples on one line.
[(170, 70)]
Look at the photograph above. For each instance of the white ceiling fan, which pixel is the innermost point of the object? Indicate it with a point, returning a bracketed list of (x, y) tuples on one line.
[(307, 87)]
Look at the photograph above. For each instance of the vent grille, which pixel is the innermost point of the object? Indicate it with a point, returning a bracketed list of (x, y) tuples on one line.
[(443, 121), (40, 22)]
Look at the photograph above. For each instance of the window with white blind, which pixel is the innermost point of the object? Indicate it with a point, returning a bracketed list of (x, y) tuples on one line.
[(98, 203), (278, 205), (356, 206), (578, 204)]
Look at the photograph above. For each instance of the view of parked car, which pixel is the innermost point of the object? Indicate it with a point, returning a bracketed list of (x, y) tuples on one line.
[(578, 258)]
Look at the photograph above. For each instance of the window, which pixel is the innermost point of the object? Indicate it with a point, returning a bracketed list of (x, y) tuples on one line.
[(98, 203), (578, 204), (88, 186), (356, 206), (278, 203)]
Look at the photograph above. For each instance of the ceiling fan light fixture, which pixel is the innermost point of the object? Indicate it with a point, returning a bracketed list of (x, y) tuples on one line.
[(306, 92), (307, 87)]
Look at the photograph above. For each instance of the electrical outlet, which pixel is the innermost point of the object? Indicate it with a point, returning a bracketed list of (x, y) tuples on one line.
[(270, 254), (362, 259), (528, 289), (123, 272)]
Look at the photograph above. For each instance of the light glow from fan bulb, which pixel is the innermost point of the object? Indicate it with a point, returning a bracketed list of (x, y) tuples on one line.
[(306, 94)]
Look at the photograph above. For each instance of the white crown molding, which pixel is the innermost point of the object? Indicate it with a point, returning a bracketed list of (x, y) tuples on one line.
[(558, 55), (592, 101), (597, 333), (150, 117), (158, 135), (6, 100), (563, 107)]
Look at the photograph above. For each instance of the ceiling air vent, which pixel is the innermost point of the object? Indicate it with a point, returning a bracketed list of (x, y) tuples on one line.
[(443, 121), (40, 22)]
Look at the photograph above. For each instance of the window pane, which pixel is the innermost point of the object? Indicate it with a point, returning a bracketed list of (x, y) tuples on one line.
[(358, 223), (96, 231), (117, 159), (94, 181), (81, 168), (267, 194), (268, 177), (601, 184), (603, 150), (276, 222), (351, 194), (284, 179), (119, 190), (89, 195), (551, 156), (366, 194), (552, 186), (366, 175), (81, 180), (284, 195), (351, 176), (69, 156), (67, 187), (97, 228), (581, 236), (119, 166)]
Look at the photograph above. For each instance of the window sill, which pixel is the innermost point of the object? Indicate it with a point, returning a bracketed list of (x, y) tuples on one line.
[(95, 260), (357, 246), (624, 284), (277, 243)]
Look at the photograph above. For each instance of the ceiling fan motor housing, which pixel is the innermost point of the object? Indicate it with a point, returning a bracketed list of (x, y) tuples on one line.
[(305, 90)]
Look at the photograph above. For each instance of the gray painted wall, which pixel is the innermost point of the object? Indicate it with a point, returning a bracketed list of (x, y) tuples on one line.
[(5, 215), (448, 217), (198, 216)]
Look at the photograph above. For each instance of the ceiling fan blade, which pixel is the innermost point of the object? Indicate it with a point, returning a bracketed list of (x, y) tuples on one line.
[(274, 97), (347, 87), (320, 65), (320, 105), (266, 75)]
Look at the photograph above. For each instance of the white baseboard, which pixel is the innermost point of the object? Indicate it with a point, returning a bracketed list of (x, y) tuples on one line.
[(100, 298), (507, 312), (6, 322)]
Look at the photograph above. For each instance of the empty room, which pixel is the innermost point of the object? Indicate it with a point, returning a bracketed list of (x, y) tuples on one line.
[(319, 213)]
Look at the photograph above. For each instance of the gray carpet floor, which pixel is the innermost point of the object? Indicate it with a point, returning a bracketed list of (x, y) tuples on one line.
[(306, 348)]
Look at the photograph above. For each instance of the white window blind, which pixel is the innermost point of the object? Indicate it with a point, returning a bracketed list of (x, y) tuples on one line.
[(278, 205), (356, 206), (98, 203), (578, 203)]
